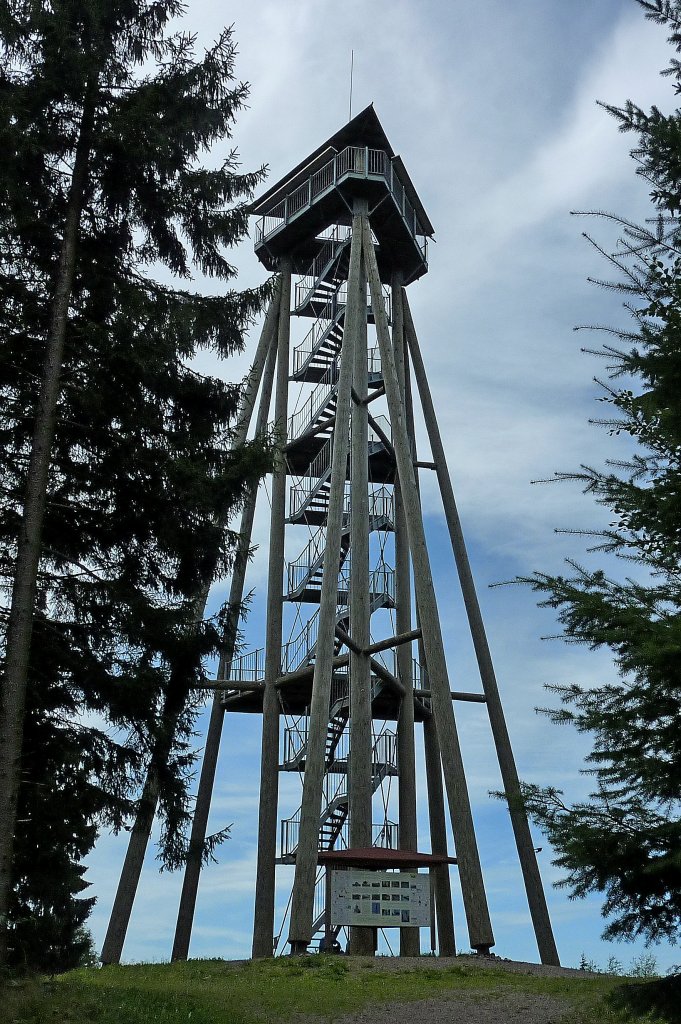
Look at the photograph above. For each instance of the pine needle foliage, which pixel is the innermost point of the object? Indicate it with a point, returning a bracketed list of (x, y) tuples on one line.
[(624, 841), (107, 114)]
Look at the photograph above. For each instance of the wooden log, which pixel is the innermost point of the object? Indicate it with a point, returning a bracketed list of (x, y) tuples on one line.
[(406, 754), (521, 829), (263, 924), (302, 901), (360, 768), (393, 641), (475, 901)]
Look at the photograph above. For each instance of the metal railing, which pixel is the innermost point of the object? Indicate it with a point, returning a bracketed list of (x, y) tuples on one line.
[(328, 319), (315, 403), (384, 747), (248, 668), (384, 835), (318, 472), (375, 367), (356, 160), (306, 287), (384, 423), (310, 559), (381, 581)]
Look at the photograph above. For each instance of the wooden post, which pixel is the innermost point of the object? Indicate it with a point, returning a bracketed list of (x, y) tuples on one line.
[(438, 840), (328, 942), (442, 888), (528, 861), (263, 925), (475, 901), (300, 928), (406, 755), (190, 882), (360, 768)]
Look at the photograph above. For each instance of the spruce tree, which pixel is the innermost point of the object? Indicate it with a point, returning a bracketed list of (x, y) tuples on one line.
[(118, 476), (624, 840)]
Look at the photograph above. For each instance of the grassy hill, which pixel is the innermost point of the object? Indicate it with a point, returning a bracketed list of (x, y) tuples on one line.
[(316, 987)]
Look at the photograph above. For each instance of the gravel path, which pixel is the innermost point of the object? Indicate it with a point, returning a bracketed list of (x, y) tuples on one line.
[(500, 1006)]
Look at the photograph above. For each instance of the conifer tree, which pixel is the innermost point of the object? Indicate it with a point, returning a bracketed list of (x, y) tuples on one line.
[(118, 476), (624, 840)]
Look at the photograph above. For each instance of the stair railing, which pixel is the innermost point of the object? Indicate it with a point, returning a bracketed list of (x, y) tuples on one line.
[(301, 420), (329, 318), (318, 473), (308, 560)]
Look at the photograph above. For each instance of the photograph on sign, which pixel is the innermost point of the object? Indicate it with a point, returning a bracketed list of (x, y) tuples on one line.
[(382, 899)]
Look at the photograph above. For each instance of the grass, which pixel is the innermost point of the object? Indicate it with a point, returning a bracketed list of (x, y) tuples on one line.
[(322, 988)]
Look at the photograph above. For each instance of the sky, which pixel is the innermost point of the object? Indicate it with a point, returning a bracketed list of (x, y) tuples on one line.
[(492, 107)]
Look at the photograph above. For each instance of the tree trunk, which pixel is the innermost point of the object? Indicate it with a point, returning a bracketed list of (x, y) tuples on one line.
[(20, 626), (132, 868)]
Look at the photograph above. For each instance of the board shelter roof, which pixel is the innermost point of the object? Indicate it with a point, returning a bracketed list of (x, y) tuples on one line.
[(378, 857)]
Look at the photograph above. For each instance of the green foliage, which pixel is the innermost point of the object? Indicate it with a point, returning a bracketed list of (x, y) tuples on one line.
[(143, 477), (624, 840)]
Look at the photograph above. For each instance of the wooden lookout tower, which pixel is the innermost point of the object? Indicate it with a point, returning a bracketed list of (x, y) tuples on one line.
[(353, 658)]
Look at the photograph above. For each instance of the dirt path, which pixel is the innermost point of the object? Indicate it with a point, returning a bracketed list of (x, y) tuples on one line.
[(495, 1006)]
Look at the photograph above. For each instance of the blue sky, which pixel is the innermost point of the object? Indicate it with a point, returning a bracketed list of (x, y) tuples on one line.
[(493, 108)]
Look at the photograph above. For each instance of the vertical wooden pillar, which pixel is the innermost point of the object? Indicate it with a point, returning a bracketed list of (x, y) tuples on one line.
[(300, 929), (475, 901), (406, 756), (438, 840), (190, 882), (263, 925), (441, 887), (528, 860), (360, 787)]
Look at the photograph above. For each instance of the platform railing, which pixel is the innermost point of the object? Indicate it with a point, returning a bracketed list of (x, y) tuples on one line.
[(384, 835), (357, 160)]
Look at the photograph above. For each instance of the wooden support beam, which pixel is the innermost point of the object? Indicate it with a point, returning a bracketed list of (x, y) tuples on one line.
[(437, 823), (406, 753), (521, 829), (438, 839), (301, 674), (360, 768), (425, 465), (475, 901), (302, 901), (393, 641), (474, 698), (376, 393), (378, 669), (263, 924)]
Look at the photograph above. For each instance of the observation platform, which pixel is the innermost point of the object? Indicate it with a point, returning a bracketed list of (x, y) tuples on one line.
[(357, 162)]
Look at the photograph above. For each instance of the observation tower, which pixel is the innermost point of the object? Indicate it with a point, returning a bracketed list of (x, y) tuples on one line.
[(353, 661)]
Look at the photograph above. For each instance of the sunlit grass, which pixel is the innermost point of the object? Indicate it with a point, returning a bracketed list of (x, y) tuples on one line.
[(220, 992)]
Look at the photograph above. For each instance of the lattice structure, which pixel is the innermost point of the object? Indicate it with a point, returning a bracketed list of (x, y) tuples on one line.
[(364, 665)]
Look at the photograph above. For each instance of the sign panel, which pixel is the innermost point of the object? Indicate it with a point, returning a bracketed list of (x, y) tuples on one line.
[(380, 899)]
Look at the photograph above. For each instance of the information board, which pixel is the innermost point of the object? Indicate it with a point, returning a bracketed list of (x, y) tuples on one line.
[(381, 899)]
